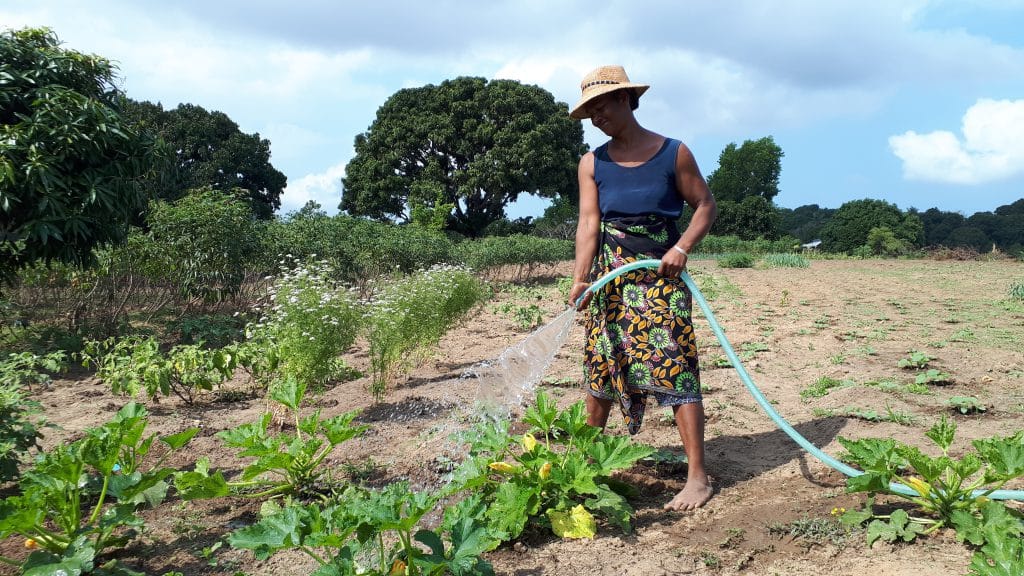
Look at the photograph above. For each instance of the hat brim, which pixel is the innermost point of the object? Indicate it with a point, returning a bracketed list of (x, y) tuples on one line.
[(579, 113)]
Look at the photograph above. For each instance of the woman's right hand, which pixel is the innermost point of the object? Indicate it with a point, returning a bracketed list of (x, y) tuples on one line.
[(578, 288)]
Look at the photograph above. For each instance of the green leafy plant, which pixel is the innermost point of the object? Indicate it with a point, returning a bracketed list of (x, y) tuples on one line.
[(205, 240), (308, 321), (285, 464), (814, 531), (822, 386), (376, 533), (916, 360), (558, 478), (785, 260), (525, 316), (20, 422), (870, 414), (1016, 291), (998, 537), (80, 499), (933, 376), (408, 316), (736, 261), (133, 364), (943, 487), (212, 330), (28, 369), (966, 404)]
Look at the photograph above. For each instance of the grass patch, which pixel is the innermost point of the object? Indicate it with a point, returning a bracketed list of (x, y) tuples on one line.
[(785, 261), (814, 531), (741, 260), (869, 415), (822, 386)]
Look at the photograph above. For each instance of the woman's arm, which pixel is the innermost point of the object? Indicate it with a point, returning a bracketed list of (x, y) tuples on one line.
[(587, 229), (694, 189)]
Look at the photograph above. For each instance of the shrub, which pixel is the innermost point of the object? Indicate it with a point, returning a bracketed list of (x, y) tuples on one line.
[(358, 249), (19, 429), (308, 322), (712, 244), (409, 315), (785, 261), (518, 250), (205, 241), (132, 364), (1017, 291), (736, 261)]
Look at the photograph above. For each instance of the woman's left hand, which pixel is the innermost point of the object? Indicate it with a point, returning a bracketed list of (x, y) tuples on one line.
[(672, 263)]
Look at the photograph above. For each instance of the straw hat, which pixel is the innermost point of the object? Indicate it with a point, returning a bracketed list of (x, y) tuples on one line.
[(602, 81)]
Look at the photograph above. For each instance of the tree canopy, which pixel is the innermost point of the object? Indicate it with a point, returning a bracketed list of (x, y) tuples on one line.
[(850, 226), (210, 151), (469, 143), (749, 219), (751, 169), (69, 161)]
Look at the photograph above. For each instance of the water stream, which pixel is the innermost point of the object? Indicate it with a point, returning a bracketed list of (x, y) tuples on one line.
[(505, 383)]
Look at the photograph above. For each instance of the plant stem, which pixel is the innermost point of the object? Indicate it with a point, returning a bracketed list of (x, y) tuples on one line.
[(8, 561), (313, 555), (99, 503)]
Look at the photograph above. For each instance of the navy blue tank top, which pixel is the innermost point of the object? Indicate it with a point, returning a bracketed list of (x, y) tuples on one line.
[(649, 188)]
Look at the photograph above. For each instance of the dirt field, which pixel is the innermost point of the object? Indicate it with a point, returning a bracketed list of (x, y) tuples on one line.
[(848, 320)]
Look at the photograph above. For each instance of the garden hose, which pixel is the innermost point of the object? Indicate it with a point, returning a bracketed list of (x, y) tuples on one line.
[(759, 397)]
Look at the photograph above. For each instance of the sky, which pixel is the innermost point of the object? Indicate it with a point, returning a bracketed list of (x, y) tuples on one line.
[(916, 102)]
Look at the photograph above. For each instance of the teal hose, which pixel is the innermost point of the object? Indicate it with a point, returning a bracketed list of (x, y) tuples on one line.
[(759, 397)]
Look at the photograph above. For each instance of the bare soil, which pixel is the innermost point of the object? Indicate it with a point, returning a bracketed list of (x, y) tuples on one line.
[(847, 320)]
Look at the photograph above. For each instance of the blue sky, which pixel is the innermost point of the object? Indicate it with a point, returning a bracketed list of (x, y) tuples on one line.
[(916, 102)]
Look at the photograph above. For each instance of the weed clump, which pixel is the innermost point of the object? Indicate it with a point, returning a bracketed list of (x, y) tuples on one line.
[(742, 260), (785, 261)]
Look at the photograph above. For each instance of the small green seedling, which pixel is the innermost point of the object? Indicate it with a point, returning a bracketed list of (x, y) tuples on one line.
[(916, 360), (933, 376), (966, 404)]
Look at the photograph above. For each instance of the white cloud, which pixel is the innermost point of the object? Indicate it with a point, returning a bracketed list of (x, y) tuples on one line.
[(323, 188), (990, 148)]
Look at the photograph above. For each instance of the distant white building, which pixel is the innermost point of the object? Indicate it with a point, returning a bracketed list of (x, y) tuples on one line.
[(813, 245)]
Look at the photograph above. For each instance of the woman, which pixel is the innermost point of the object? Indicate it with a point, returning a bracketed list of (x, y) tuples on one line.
[(640, 336)]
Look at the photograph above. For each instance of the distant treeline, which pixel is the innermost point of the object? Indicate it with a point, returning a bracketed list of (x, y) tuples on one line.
[(1002, 228)]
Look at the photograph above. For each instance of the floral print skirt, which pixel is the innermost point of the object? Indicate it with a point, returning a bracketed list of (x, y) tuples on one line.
[(640, 336)]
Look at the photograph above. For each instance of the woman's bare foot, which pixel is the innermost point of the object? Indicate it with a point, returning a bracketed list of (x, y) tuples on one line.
[(694, 495)]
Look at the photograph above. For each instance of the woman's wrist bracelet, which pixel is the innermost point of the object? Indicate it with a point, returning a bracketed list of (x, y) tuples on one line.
[(680, 250)]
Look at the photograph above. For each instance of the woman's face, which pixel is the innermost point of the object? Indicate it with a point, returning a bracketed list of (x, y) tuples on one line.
[(606, 109)]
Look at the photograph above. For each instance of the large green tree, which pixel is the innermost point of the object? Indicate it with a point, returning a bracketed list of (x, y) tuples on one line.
[(850, 226), (210, 151), (751, 169), (804, 222), (470, 143), (70, 164), (751, 218)]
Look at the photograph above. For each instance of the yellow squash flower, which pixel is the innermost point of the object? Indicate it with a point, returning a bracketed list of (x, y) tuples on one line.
[(920, 486), (502, 467), (545, 471), (529, 442)]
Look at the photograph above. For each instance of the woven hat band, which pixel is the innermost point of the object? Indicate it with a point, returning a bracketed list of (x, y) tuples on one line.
[(596, 82)]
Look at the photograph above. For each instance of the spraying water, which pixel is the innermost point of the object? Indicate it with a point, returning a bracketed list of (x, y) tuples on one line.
[(504, 383)]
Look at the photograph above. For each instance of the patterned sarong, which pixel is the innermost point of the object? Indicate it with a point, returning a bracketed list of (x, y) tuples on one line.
[(640, 336)]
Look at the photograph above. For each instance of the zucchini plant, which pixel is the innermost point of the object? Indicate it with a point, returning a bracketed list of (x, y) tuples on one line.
[(558, 474), (285, 463), (80, 499), (376, 533)]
